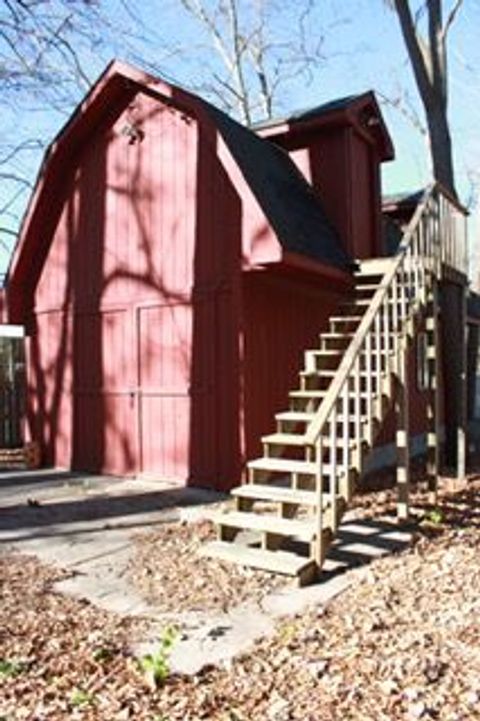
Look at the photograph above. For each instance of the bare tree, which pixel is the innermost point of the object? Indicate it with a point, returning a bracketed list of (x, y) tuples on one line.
[(40, 70), (37, 52), (428, 57), (256, 59)]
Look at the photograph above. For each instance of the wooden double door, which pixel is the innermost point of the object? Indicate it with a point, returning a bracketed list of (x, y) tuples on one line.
[(143, 390)]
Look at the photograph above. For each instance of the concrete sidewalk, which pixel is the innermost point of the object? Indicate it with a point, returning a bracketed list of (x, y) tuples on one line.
[(86, 523)]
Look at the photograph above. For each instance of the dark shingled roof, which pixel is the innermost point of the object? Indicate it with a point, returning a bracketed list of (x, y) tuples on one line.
[(287, 199), (310, 113), (406, 199)]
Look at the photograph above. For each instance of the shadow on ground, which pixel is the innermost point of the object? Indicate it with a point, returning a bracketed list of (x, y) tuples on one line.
[(44, 503)]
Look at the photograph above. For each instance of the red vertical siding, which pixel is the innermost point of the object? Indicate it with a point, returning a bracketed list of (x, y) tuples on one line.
[(125, 238), (363, 200), (149, 353), (282, 319), (344, 167), (135, 356), (330, 174)]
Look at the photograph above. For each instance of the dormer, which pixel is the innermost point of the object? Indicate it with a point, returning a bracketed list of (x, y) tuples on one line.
[(339, 147)]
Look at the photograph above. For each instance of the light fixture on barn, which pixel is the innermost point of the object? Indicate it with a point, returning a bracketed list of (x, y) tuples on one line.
[(133, 132)]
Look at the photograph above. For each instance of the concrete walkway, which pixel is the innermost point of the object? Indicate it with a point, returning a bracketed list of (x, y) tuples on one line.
[(86, 523)]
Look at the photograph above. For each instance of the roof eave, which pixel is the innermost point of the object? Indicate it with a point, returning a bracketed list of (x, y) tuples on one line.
[(348, 115)]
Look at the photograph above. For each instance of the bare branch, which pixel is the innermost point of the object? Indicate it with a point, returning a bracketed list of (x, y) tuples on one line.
[(417, 51), (451, 19)]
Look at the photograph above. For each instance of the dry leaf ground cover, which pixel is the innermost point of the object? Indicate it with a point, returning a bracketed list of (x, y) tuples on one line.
[(169, 572), (403, 642)]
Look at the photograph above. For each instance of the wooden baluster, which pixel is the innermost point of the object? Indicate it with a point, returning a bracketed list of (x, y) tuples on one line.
[(378, 351), (387, 330), (402, 434), (433, 395), (418, 271), (357, 411), (436, 246), (319, 545), (462, 405), (395, 320), (403, 293), (421, 239), (333, 467), (413, 260), (345, 490), (428, 243), (410, 273), (368, 386)]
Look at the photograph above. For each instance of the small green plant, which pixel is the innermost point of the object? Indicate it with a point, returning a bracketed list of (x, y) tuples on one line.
[(80, 698), (435, 516), (155, 665), (10, 669), (287, 632)]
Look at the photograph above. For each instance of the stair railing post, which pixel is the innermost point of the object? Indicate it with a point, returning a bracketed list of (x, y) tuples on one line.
[(395, 319), (378, 353), (403, 291), (318, 548), (433, 394), (333, 466), (345, 440), (357, 412), (402, 433), (385, 310), (462, 411), (368, 386)]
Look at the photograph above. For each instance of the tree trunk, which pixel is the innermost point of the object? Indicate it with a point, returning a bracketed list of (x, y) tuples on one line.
[(441, 146)]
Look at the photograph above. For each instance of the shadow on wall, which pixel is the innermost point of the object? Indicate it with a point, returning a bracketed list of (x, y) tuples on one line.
[(134, 351)]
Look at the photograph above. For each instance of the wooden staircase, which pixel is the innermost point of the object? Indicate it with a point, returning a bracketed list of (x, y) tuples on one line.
[(288, 512)]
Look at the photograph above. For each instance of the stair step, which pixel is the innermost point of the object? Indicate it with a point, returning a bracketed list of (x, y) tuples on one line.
[(331, 372), (292, 439), (295, 416), (288, 564), (345, 318), (283, 465), (363, 302), (289, 527), (328, 352), (318, 394), (373, 267), (336, 336), (263, 492), (308, 394), (325, 372), (367, 286), (286, 439)]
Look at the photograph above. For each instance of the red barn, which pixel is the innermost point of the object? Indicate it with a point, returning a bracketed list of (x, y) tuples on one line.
[(173, 265)]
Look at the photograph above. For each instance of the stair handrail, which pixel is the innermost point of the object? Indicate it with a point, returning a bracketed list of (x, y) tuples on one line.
[(409, 248)]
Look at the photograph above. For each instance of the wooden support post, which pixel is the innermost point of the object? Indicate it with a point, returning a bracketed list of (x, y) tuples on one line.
[(433, 395), (318, 546), (402, 435), (462, 401)]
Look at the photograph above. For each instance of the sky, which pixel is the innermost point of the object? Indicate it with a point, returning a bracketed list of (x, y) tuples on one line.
[(361, 49)]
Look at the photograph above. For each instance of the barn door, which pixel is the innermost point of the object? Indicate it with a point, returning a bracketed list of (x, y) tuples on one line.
[(175, 390), (105, 436)]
